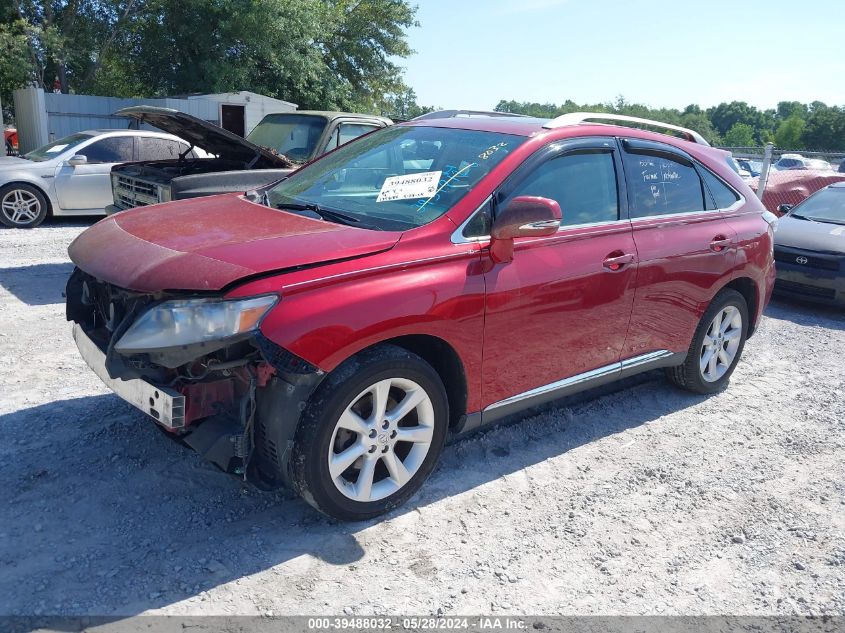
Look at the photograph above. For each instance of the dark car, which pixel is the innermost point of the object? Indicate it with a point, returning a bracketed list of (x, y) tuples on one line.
[(810, 248), (332, 330)]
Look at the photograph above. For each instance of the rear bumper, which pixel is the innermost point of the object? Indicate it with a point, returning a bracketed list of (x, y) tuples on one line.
[(166, 406)]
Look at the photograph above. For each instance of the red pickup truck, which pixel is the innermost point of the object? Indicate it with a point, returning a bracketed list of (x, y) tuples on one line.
[(331, 331)]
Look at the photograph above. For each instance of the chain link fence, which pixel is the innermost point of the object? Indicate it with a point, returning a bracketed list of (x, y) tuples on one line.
[(787, 176)]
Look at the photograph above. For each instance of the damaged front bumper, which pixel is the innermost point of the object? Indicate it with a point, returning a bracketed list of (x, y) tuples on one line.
[(165, 405)]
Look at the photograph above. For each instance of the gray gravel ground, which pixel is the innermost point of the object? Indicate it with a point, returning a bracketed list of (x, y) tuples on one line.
[(646, 500)]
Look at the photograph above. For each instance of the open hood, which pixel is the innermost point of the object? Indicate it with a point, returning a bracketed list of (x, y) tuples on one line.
[(209, 243), (207, 136)]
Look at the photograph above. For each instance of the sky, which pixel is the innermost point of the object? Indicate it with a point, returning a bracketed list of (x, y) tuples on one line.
[(472, 53)]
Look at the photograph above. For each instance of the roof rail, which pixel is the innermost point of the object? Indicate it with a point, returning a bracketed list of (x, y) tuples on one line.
[(451, 114), (574, 118)]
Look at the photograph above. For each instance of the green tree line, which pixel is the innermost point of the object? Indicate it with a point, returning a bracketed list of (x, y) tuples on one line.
[(792, 125), (326, 54)]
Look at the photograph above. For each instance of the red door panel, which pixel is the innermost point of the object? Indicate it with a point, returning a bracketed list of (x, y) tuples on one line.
[(682, 263), (558, 309)]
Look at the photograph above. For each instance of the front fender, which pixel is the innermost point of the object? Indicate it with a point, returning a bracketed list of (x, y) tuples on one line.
[(331, 318)]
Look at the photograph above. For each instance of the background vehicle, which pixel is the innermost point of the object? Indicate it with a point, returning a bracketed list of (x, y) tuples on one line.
[(71, 176), (791, 186), (331, 331), (278, 144), (796, 161), (10, 136), (753, 167), (810, 248)]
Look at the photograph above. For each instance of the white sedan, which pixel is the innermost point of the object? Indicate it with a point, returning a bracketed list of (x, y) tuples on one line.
[(72, 176)]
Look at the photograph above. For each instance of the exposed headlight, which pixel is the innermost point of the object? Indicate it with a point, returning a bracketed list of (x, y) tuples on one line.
[(192, 321)]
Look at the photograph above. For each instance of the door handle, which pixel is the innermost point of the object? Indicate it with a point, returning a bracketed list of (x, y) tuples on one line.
[(720, 243), (616, 262)]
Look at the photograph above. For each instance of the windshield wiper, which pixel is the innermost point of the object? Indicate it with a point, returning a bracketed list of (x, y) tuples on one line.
[(826, 220), (326, 214)]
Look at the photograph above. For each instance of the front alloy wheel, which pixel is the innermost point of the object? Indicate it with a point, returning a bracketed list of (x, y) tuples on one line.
[(370, 434), (22, 206), (381, 439)]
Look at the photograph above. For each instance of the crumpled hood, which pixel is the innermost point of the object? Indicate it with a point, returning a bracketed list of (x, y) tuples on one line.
[(810, 235), (208, 243)]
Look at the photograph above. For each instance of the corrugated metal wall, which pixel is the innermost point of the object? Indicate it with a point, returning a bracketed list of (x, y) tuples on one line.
[(43, 117)]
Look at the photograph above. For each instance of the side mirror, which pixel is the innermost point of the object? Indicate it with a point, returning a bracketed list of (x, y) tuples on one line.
[(783, 208), (77, 159), (524, 216)]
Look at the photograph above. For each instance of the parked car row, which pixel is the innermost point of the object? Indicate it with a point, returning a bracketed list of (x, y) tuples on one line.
[(105, 171), (331, 330)]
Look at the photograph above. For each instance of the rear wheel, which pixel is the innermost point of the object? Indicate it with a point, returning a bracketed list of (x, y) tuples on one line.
[(371, 434), (22, 206), (716, 346)]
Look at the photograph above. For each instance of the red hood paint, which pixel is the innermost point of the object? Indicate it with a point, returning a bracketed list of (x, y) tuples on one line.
[(208, 243)]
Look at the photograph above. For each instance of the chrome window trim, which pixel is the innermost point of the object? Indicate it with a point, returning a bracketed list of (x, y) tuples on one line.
[(458, 234), (587, 376), (734, 207)]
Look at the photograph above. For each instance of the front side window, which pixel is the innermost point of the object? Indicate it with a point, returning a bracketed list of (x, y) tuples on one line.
[(293, 135), (659, 185), (350, 131), (373, 180), (115, 149), (583, 184)]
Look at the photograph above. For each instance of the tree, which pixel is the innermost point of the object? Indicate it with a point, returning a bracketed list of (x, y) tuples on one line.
[(318, 53), (740, 135), (789, 133), (825, 129)]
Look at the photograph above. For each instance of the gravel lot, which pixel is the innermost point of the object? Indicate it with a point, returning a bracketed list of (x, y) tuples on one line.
[(646, 500)]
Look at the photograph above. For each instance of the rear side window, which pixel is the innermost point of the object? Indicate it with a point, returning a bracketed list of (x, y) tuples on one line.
[(723, 196), (659, 185), (150, 148), (115, 149), (583, 184)]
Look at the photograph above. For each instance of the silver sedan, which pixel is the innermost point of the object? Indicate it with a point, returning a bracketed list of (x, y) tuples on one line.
[(71, 176)]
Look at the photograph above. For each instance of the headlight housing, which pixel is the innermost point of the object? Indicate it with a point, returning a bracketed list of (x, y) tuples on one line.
[(193, 321)]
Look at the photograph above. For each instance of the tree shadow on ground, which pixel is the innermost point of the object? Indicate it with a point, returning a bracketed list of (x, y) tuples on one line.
[(37, 285)]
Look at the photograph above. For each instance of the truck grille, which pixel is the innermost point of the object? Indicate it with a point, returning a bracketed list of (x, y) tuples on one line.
[(130, 192)]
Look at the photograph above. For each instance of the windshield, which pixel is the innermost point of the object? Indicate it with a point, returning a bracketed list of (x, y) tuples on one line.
[(399, 177), (827, 205), (51, 150), (294, 135), (790, 163)]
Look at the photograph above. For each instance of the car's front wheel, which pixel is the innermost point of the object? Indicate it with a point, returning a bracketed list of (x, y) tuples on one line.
[(22, 206), (716, 345), (371, 434)]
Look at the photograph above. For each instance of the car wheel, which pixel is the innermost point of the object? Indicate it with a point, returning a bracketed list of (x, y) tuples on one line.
[(22, 206), (370, 435), (716, 346)]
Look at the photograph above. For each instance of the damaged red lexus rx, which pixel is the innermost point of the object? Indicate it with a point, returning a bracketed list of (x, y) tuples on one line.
[(332, 331)]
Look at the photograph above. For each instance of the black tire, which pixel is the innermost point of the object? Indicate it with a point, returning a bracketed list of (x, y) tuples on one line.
[(689, 376), (28, 192), (314, 436)]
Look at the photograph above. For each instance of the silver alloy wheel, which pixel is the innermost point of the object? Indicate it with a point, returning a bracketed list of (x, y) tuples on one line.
[(20, 206), (381, 439), (721, 343)]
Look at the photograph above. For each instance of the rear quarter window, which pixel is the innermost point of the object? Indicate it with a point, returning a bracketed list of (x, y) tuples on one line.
[(723, 196)]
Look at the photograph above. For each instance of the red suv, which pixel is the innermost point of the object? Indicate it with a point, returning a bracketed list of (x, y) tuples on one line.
[(331, 331)]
